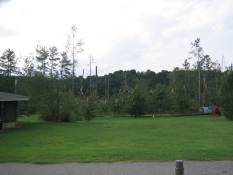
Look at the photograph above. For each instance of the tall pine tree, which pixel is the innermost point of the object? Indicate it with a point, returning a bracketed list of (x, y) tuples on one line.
[(8, 63), (65, 64), (53, 61), (42, 54)]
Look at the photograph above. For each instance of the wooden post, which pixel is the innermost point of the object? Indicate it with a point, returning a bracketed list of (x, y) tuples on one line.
[(179, 167)]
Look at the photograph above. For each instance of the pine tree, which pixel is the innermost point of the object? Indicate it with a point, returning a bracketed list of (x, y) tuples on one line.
[(197, 52), (65, 64), (28, 68), (186, 64), (74, 47), (42, 58), (53, 61), (8, 63)]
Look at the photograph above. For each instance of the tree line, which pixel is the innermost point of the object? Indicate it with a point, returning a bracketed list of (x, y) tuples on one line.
[(58, 94)]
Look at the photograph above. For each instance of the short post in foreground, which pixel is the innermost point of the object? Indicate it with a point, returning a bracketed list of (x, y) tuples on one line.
[(179, 167)]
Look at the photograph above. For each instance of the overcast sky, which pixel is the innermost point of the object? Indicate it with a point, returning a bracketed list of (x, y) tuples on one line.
[(121, 34)]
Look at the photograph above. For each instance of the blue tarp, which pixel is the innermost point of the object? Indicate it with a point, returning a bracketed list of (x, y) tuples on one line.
[(207, 109)]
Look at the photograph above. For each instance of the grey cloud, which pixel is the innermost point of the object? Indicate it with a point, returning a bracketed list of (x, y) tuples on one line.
[(3, 2), (128, 49), (133, 52), (156, 24), (128, 53), (6, 32), (228, 22)]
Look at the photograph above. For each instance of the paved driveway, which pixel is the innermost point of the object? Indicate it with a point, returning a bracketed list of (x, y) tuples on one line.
[(120, 168)]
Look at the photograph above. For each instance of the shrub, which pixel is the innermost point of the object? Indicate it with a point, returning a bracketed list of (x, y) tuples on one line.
[(138, 102), (60, 107), (227, 95), (91, 108), (159, 99), (120, 103), (68, 108)]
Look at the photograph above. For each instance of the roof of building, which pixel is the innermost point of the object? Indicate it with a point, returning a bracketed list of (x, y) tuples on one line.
[(12, 97)]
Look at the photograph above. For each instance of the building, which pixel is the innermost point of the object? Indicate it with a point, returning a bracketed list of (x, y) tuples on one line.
[(8, 108)]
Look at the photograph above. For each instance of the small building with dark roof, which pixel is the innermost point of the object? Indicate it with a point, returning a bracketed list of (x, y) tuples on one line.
[(8, 108)]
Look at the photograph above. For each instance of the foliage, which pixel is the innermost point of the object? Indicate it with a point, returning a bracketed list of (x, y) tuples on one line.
[(138, 102), (61, 107), (204, 66), (91, 108), (120, 103), (28, 69), (227, 95), (48, 98), (50, 76), (65, 66), (182, 90), (42, 54), (159, 99), (197, 53), (53, 61), (69, 107), (8, 63), (74, 47)]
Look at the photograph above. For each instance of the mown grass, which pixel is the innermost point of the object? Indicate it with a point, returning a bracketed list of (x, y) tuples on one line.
[(108, 139)]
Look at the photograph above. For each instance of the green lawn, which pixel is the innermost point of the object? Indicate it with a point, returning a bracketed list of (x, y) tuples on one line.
[(110, 139)]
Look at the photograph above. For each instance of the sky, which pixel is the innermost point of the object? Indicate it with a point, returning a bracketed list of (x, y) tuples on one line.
[(121, 34)]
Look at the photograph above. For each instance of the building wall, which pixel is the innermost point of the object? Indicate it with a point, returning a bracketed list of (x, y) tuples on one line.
[(8, 111), (1, 110)]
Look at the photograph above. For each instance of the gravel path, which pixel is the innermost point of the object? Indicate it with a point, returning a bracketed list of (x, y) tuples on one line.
[(120, 168)]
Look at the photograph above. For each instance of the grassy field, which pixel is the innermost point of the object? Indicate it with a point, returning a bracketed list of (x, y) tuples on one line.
[(110, 139)]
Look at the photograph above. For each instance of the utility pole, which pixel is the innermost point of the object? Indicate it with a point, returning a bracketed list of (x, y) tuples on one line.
[(105, 88), (108, 87), (91, 60), (199, 87), (96, 71), (96, 80)]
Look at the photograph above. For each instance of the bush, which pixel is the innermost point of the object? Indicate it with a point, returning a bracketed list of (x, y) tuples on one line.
[(120, 103), (138, 102), (61, 107), (227, 95), (159, 99), (91, 108), (69, 108)]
